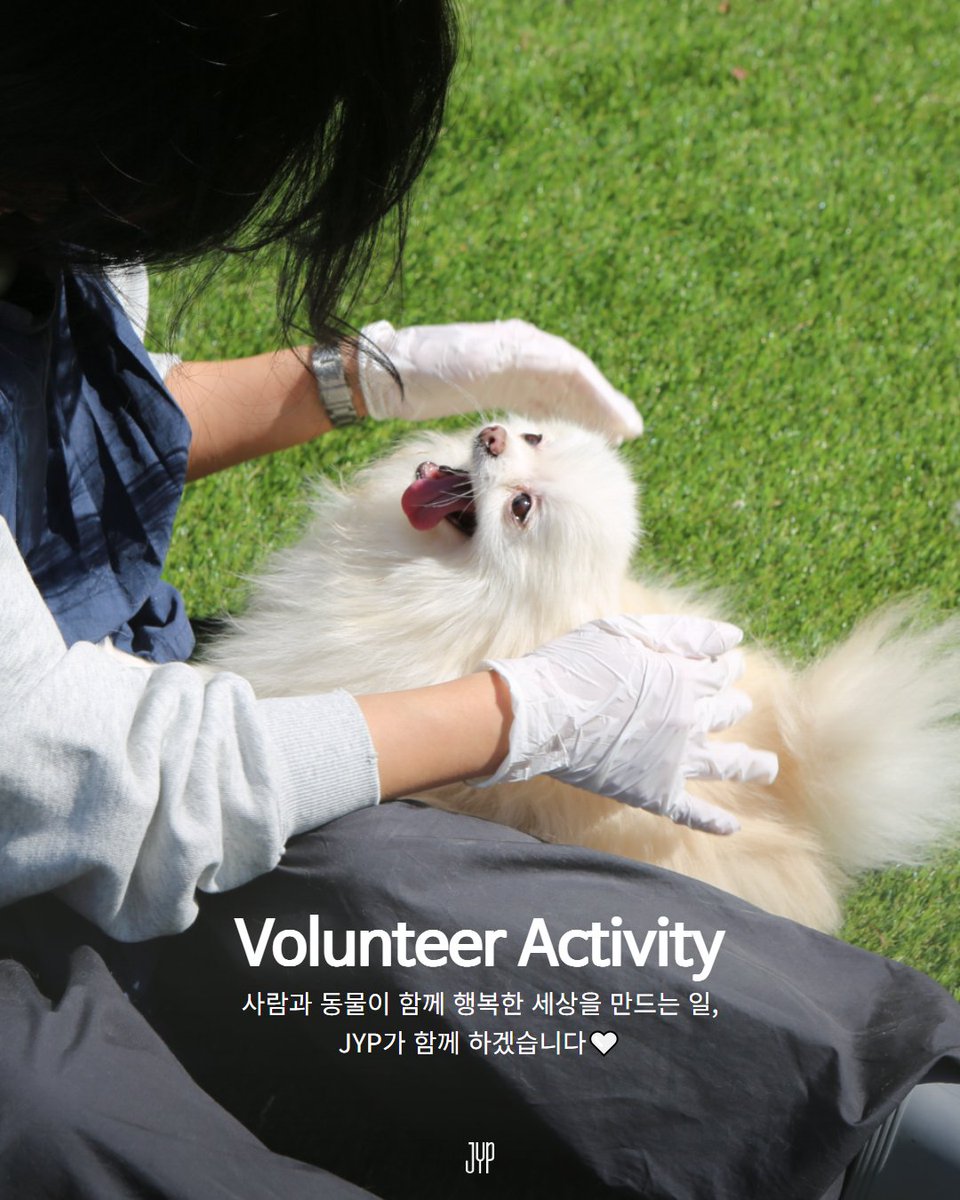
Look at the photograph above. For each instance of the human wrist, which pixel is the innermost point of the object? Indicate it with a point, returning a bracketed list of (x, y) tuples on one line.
[(350, 358), (336, 374), (427, 737)]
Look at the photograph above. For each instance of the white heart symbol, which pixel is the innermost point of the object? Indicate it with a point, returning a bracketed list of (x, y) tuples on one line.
[(604, 1042)]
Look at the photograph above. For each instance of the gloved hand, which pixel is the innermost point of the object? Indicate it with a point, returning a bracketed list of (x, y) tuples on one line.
[(622, 707), (511, 365)]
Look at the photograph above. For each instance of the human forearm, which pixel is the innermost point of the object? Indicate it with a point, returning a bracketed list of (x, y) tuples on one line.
[(127, 789), (242, 408), (430, 736), (124, 790)]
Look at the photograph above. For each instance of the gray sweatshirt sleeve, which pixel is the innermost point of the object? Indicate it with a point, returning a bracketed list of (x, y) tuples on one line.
[(124, 790)]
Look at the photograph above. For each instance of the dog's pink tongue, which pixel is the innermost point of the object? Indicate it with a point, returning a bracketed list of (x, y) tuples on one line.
[(436, 494)]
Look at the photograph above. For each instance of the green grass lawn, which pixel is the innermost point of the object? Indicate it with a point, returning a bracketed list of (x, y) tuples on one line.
[(749, 215)]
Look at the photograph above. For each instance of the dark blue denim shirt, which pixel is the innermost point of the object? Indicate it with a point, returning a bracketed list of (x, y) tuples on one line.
[(93, 457)]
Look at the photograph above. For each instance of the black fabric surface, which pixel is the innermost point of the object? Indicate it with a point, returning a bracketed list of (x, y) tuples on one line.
[(813, 1044), (94, 1107)]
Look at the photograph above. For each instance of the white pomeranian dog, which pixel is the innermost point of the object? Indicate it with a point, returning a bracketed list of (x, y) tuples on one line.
[(460, 547)]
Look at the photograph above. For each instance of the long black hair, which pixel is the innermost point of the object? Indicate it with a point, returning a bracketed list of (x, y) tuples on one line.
[(163, 130)]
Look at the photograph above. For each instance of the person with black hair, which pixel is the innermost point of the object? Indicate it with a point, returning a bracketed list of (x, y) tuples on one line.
[(153, 134), (106, 162)]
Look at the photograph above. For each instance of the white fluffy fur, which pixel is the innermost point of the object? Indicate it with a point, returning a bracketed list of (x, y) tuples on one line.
[(868, 737)]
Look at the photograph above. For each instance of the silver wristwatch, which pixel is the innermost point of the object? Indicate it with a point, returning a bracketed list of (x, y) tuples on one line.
[(332, 387)]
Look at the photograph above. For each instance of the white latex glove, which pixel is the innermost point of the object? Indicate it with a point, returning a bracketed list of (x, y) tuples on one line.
[(512, 365), (622, 707)]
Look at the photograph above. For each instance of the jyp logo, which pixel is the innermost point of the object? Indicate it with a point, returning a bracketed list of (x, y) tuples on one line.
[(481, 1156)]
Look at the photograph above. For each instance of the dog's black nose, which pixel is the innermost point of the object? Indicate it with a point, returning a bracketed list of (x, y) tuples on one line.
[(493, 438)]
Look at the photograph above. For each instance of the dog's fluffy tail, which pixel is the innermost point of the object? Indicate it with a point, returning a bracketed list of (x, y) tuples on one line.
[(876, 733)]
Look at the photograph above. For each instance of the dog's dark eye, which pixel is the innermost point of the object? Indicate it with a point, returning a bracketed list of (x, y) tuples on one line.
[(533, 439), (520, 506)]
